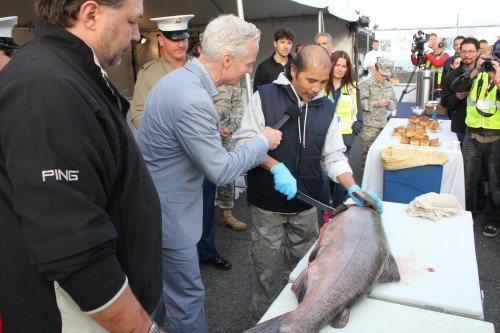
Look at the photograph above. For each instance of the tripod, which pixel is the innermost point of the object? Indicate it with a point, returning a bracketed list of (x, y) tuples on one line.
[(419, 63)]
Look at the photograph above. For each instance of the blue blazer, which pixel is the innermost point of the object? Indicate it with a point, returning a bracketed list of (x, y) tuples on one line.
[(179, 139)]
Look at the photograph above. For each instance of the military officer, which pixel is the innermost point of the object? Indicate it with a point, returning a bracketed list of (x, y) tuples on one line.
[(377, 98), (7, 44), (174, 43)]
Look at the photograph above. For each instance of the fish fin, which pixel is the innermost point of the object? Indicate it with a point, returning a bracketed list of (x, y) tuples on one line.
[(299, 287), (269, 326), (314, 253), (341, 320), (391, 272)]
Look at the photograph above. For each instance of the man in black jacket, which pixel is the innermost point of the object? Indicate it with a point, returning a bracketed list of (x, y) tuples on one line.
[(456, 103), (278, 62), (80, 231)]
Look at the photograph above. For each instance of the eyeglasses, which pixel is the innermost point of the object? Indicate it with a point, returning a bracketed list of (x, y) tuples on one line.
[(470, 52)]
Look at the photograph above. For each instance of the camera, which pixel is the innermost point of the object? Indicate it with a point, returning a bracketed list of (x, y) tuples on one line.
[(419, 39), (487, 66)]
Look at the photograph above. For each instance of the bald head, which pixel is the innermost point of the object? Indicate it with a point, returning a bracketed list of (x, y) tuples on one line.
[(310, 71), (311, 56)]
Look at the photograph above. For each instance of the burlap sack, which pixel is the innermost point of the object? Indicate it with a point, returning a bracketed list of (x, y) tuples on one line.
[(393, 158)]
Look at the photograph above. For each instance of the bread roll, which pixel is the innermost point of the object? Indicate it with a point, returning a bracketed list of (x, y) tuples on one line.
[(404, 140), (434, 142)]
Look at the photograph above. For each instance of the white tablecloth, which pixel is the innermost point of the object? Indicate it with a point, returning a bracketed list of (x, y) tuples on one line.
[(374, 316), (453, 171), (436, 260)]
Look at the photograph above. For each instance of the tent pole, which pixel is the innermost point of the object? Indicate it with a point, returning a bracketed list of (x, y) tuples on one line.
[(239, 6), (321, 23)]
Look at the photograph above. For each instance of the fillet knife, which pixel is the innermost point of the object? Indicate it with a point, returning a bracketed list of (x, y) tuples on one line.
[(313, 202)]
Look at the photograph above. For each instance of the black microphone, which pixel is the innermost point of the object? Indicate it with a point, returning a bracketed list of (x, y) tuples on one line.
[(291, 112)]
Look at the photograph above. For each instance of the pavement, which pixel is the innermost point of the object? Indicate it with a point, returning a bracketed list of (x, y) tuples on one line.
[(227, 304)]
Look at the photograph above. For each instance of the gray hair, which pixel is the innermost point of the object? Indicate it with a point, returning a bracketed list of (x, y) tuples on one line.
[(319, 34), (228, 34)]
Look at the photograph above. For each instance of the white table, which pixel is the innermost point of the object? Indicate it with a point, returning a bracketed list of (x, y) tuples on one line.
[(374, 316), (452, 181), (436, 260)]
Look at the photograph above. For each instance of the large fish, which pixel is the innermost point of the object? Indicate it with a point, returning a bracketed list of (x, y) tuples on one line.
[(352, 255)]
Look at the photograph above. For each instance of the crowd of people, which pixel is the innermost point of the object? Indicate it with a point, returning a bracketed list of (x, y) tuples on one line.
[(106, 231)]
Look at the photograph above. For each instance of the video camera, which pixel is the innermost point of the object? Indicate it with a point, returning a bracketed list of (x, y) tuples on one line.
[(419, 39)]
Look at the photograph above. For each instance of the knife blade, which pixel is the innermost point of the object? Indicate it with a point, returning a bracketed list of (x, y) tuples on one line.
[(313, 202)]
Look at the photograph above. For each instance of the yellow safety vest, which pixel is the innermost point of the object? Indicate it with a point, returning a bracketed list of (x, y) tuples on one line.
[(346, 108), (488, 104), (439, 70)]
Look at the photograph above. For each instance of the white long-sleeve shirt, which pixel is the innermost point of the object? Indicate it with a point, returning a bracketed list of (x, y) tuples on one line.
[(333, 160)]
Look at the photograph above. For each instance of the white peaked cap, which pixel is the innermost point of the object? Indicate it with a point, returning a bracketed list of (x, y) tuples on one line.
[(173, 23), (6, 26)]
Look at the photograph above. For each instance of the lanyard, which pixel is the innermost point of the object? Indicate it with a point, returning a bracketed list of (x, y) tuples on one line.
[(478, 92)]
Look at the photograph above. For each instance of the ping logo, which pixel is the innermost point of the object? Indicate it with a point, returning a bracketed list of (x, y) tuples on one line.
[(58, 174)]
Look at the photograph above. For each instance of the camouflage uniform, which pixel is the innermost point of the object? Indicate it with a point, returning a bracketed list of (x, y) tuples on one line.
[(148, 75), (374, 116), (229, 105)]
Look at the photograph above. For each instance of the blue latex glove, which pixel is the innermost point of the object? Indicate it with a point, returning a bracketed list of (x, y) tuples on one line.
[(354, 188), (284, 181)]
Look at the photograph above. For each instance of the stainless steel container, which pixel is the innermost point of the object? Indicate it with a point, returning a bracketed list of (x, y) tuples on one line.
[(425, 86)]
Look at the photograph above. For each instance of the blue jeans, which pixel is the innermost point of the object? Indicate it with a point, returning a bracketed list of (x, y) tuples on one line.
[(476, 155), (206, 245)]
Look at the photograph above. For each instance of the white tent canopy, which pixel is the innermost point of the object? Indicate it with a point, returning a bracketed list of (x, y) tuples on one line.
[(387, 14)]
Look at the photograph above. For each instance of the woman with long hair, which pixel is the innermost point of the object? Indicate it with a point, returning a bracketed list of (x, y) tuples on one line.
[(342, 90)]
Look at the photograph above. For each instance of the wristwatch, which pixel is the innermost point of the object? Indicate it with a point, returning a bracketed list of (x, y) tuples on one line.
[(154, 328)]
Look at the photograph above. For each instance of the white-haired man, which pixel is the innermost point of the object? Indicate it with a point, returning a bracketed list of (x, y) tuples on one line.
[(180, 141)]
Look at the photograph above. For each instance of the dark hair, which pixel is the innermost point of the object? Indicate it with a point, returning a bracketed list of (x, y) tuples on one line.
[(470, 40), (63, 12), (284, 33), (483, 41), (349, 75), (8, 51), (458, 37), (307, 55)]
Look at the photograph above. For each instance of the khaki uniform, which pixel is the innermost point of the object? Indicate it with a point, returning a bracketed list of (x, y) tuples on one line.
[(229, 105), (374, 116), (148, 75)]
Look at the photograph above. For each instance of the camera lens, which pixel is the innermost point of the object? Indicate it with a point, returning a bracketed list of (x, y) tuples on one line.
[(487, 66)]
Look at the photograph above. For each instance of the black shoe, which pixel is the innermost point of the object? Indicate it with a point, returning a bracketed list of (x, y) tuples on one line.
[(219, 263), (489, 231)]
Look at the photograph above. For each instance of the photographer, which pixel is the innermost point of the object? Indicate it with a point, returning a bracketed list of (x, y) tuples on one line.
[(481, 145), (456, 102), (419, 50), (434, 60)]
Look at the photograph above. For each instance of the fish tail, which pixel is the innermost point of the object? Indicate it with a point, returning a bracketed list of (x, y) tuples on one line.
[(391, 272), (269, 326)]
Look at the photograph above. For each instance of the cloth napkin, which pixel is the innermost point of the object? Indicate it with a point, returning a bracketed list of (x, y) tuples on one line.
[(434, 206)]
